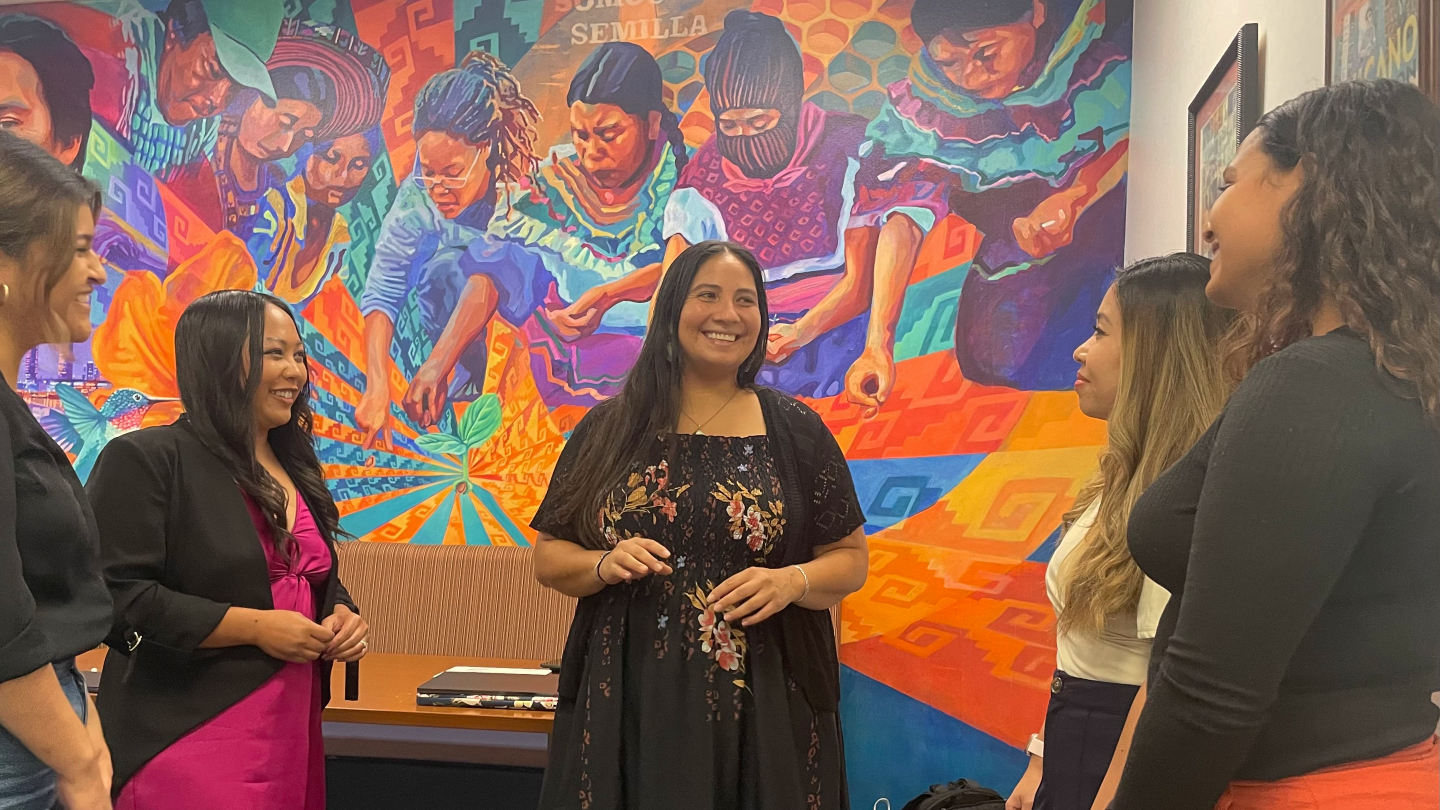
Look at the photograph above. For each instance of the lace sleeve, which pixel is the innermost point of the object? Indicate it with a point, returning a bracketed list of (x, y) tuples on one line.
[(834, 510)]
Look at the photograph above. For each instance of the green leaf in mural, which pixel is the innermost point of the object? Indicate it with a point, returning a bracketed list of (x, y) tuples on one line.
[(481, 420), (442, 443)]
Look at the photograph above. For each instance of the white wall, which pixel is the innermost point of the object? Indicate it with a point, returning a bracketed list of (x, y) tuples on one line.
[(1177, 43)]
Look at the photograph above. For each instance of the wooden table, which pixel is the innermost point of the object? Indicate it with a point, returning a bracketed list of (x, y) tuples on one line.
[(387, 696), (385, 722)]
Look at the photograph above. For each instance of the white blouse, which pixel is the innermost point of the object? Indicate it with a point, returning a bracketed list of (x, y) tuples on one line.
[(1122, 653)]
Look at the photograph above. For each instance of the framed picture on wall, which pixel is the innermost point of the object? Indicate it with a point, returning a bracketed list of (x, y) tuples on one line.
[(1392, 39), (1222, 114)]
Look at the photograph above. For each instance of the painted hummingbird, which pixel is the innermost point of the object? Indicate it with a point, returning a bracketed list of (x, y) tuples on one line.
[(83, 429)]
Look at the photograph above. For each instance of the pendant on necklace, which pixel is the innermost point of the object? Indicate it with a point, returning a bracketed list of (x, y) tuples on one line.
[(697, 433)]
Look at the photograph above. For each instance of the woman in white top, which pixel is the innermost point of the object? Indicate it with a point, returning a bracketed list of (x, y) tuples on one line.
[(1152, 370)]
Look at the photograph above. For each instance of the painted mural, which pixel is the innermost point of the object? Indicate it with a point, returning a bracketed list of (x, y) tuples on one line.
[(469, 202)]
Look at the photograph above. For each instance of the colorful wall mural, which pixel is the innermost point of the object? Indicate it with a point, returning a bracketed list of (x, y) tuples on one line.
[(468, 203)]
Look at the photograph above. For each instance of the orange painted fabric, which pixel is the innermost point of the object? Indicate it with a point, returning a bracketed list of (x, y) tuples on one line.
[(1405, 780)]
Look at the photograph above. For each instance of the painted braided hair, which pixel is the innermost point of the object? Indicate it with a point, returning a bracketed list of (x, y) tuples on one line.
[(480, 101)]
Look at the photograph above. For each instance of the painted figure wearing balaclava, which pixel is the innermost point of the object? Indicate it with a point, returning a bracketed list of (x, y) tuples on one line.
[(756, 82)]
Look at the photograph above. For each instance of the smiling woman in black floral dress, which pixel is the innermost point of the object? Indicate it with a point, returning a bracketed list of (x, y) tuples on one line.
[(707, 526)]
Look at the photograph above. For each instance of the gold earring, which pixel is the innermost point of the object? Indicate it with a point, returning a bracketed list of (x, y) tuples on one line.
[(4, 294)]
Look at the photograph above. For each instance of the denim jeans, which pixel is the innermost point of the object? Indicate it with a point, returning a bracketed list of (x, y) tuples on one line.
[(26, 783)]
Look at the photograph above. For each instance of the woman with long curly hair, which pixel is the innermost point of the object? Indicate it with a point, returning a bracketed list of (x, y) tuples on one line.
[(1152, 371), (1293, 667)]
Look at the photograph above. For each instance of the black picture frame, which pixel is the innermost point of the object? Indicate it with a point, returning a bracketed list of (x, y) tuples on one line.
[(1428, 43), (1232, 91)]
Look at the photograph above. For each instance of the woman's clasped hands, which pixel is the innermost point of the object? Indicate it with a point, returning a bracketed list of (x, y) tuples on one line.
[(750, 597)]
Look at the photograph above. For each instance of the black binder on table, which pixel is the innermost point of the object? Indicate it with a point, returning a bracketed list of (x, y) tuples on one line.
[(491, 688)]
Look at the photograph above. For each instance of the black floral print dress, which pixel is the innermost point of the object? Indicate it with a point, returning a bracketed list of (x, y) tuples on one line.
[(675, 709)]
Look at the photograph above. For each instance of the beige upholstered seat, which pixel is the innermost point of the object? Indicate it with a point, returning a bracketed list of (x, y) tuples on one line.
[(455, 600)]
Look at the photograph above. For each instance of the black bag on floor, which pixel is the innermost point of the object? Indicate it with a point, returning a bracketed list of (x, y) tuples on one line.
[(962, 793)]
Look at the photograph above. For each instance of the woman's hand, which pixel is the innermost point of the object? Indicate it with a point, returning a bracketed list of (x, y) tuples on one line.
[(634, 558), (756, 594), (1024, 794), (350, 631), (289, 636)]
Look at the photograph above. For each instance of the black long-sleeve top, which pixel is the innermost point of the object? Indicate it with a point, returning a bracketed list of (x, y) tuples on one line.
[(1300, 539), (53, 601)]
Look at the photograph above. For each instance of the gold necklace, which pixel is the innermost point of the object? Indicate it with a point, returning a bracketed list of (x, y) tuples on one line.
[(699, 425)]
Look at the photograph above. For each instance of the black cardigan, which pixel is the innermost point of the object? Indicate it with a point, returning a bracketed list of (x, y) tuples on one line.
[(178, 548)]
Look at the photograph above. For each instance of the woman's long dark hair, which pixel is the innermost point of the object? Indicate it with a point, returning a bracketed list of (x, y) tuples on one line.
[(619, 431), (1363, 229), (627, 76), (217, 337)]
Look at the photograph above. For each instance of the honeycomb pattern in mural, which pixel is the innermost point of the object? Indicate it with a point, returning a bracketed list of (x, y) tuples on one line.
[(682, 66), (852, 50)]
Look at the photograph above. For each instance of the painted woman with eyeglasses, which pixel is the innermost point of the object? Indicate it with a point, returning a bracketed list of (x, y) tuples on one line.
[(474, 135)]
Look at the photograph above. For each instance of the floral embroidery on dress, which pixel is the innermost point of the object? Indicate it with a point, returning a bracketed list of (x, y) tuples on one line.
[(725, 644), (660, 629), (648, 494), (748, 521)]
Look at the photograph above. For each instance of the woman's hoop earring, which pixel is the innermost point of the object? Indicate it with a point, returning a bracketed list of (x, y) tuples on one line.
[(4, 294)]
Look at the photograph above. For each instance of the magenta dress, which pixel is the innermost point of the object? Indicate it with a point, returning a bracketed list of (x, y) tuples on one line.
[(266, 751)]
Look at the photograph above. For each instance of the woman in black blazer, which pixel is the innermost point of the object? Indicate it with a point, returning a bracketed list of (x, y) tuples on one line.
[(217, 536)]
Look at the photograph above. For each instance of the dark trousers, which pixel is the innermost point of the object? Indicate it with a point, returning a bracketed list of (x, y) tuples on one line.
[(1082, 727)]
